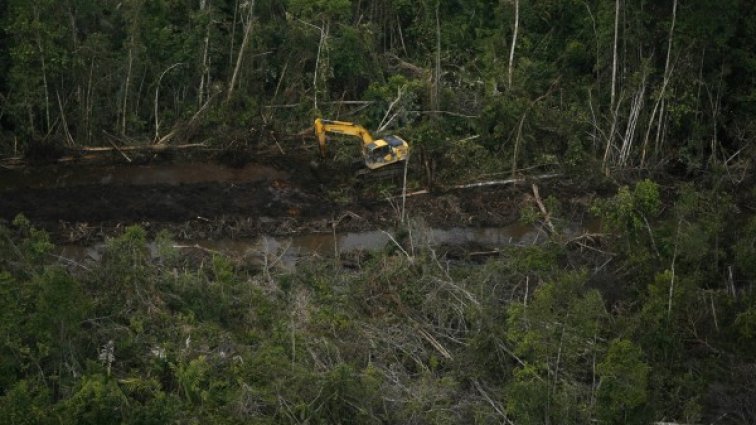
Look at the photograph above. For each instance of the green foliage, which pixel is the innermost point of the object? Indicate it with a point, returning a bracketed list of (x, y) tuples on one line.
[(409, 94), (23, 404), (324, 8), (532, 334), (622, 396), (36, 243), (96, 400), (745, 249), (628, 213), (192, 379), (556, 333), (626, 210)]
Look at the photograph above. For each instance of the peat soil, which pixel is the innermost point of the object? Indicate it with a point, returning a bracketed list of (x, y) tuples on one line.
[(274, 195)]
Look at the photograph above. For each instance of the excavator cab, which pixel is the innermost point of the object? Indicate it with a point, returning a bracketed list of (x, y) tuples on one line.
[(385, 151), (377, 153)]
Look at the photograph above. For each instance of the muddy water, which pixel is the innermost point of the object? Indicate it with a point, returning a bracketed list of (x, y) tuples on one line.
[(328, 244), (56, 176), (286, 251)]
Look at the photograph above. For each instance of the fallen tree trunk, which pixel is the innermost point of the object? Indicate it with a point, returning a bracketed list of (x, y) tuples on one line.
[(93, 152), (140, 148), (488, 183), (507, 181)]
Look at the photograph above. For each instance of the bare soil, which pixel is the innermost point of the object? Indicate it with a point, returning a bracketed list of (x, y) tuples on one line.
[(273, 195)]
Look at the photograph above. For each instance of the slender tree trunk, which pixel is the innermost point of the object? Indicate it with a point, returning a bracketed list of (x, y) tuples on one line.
[(30, 115), (635, 109), (47, 90), (660, 129), (514, 42), (242, 48), (614, 55), (157, 96), (665, 82), (715, 110), (75, 43), (72, 21), (44, 71), (518, 137), (610, 139), (69, 138), (404, 187), (598, 50), (233, 34), (437, 68), (88, 102), (612, 109), (126, 86), (672, 277), (321, 44), (205, 77)]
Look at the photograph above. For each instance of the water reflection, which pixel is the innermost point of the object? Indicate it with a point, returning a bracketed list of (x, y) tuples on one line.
[(287, 251)]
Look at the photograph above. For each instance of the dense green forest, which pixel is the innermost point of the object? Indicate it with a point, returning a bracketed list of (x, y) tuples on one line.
[(655, 323), (619, 83), (649, 104)]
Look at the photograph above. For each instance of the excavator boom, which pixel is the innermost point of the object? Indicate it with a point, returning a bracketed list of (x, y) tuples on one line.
[(377, 153)]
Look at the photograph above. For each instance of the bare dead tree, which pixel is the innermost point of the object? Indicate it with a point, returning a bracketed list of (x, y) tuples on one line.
[(321, 45), (635, 108), (387, 117), (44, 69), (205, 76), (518, 138), (233, 34), (614, 54), (157, 95), (250, 5), (514, 42), (127, 85), (610, 138), (665, 82)]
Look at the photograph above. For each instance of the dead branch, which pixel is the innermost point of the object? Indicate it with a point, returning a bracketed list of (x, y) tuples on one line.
[(544, 211), (197, 247), (119, 150), (242, 48), (409, 257), (69, 139), (450, 113), (171, 134), (496, 406), (493, 253), (434, 342), (386, 120), (417, 71)]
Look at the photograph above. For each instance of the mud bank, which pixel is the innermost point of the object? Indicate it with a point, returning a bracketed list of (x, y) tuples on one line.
[(205, 201)]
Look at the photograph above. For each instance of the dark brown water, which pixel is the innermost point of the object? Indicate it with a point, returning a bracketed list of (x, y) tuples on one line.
[(56, 176)]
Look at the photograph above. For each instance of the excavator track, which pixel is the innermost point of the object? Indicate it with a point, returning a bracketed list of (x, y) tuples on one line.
[(391, 171)]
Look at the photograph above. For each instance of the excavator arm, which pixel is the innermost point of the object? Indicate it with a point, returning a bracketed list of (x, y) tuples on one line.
[(322, 127), (377, 152)]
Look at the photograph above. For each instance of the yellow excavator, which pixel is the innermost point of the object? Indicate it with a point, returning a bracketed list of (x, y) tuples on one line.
[(378, 153)]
